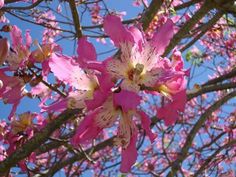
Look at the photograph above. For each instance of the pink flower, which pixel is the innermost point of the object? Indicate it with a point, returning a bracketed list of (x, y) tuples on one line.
[(121, 105), (21, 51), (1, 3), (12, 90), (139, 61)]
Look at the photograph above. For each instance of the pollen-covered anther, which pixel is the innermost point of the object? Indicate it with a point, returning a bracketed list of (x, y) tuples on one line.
[(121, 141), (71, 104), (136, 71)]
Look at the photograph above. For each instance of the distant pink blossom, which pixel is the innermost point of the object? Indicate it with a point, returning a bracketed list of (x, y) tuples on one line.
[(1, 3)]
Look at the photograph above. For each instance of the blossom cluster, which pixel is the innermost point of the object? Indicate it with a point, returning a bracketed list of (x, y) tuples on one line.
[(109, 91)]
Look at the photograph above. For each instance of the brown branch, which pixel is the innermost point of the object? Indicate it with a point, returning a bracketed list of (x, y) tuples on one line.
[(39, 24), (150, 13), (206, 7), (38, 139), (22, 8), (206, 27), (76, 20), (101, 25), (47, 84), (11, 1), (75, 158), (210, 158), (224, 77), (184, 152), (210, 88), (186, 4)]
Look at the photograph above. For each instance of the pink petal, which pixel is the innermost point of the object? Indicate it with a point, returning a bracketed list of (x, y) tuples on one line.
[(16, 37), (45, 68), (57, 106), (96, 65), (129, 155), (117, 32), (105, 81), (127, 100), (62, 67), (146, 122), (176, 84), (138, 36), (1, 3), (99, 97), (168, 114), (170, 111), (163, 36), (87, 129), (180, 100), (66, 70), (22, 166), (86, 51), (28, 38)]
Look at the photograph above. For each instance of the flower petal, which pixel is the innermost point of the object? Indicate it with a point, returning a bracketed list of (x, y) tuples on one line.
[(86, 51), (163, 36), (129, 155), (117, 32), (1, 3), (138, 36), (127, 100), (66, 70), (87, 129), (146, 122)]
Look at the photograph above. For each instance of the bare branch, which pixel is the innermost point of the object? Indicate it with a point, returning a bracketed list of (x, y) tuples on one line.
[(206, 7), (23, 8), (210, 88), (191, 135), (211, 157), (150, 13), (206, 27), (76, 20), (222, 78), (38, 139)]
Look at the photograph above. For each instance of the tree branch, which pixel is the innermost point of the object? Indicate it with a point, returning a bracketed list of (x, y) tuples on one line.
[(210, 158), (206, 27), (150, 13), (75, 158), (186, 4), (210, 88), (206, 7), (22, 8), (222, 78), (38, 139), (191, 135), (76, 20)]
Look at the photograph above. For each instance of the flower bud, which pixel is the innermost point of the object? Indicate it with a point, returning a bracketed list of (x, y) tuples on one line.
[(4, 49)]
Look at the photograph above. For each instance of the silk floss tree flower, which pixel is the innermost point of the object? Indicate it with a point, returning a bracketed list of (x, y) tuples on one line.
[(139, 65), (19, 55)]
